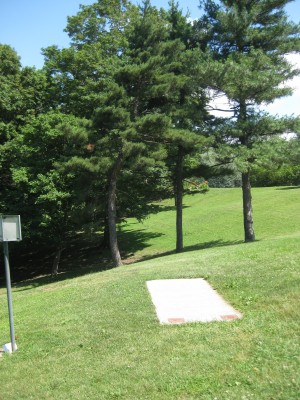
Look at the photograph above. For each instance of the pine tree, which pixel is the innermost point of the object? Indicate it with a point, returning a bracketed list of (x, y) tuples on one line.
[(83, 78), (123, 86), (189, 115), (248, 41)]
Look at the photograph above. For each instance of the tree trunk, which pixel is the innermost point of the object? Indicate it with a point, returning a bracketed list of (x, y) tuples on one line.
[(247, 207), (246, 187), (112, 212), (178, 199), (56, 261), (105, 241)]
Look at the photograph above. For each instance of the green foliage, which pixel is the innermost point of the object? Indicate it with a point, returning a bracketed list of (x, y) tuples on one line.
[(10, 97), (45, 193), (280, 176), (250, 40), (245, 25), (23, 96), (196, 185), (277, 163), (128, 100), (226, 181)]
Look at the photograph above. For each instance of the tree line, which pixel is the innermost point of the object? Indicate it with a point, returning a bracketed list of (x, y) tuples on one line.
[(121, 117)]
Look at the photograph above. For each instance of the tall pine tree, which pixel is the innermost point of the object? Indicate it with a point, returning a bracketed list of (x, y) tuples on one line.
[(248, 41)]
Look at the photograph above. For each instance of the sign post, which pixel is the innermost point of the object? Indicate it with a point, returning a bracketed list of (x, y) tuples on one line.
[(10, 231), (9, 297)]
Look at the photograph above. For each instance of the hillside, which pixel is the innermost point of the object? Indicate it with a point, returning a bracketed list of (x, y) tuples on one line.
[(96, 336), (214, 219)]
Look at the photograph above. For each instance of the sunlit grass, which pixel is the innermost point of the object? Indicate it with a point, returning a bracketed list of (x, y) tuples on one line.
[(97, 336)]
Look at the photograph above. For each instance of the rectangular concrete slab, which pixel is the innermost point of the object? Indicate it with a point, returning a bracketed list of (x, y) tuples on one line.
[(179, 301)]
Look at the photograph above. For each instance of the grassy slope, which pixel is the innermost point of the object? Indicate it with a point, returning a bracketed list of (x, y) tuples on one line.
[(96, 336), (215, 219)]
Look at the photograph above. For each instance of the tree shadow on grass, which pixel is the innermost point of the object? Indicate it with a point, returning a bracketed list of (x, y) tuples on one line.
[(289, 188), (157, 208), (34, 269), (196, 247), (88, 261), (81, 257), (135, 240)]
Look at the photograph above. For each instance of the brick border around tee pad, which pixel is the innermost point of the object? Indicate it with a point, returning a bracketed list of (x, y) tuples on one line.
[(179, 301)]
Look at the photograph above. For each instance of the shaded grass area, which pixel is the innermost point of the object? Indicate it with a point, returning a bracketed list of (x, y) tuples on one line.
[(96, 336)]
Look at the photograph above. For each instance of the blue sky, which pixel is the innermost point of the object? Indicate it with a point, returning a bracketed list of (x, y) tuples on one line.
[(29, 25)]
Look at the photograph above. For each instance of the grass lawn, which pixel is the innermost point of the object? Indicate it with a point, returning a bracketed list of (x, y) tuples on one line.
[(96, 336)]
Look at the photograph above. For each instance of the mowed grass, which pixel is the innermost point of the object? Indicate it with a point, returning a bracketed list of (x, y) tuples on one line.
[(97, 336), (214, 219)]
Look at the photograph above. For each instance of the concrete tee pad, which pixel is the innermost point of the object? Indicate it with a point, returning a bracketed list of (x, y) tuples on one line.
[(179, 301)]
